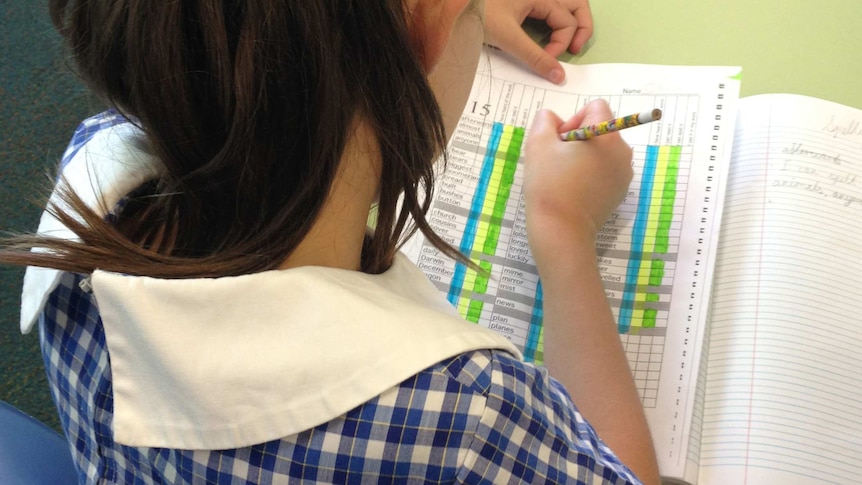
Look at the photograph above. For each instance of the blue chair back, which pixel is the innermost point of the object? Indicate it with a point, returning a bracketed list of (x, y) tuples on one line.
[(32, 453)]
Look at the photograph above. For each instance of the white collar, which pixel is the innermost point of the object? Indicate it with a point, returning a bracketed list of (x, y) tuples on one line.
[(228, 362)]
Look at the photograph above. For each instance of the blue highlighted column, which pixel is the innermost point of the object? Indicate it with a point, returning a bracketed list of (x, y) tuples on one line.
[(638, 235), (469, 237), (485, 219), (534, 350), (650, 239)]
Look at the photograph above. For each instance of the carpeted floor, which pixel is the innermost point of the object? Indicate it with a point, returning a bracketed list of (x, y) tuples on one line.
[(41, 102)]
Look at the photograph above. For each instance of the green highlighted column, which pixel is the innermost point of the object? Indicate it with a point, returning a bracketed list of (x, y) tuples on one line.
[(657, 237), (668, 199), (515, 138), (492, 215), (480, 286)]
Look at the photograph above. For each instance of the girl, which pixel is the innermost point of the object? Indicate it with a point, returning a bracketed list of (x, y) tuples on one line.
[(212, 307)]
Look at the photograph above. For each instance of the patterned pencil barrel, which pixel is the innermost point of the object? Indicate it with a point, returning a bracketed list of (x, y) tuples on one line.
[(611, 126)]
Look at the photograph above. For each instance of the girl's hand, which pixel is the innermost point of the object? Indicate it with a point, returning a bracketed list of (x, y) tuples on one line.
[(571, 26), (572, 187)]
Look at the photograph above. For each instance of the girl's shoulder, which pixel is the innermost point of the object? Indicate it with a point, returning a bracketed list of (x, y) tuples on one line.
[(520, 412), (89, 128)]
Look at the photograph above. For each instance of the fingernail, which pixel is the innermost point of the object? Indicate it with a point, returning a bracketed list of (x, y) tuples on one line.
[(556, 76)]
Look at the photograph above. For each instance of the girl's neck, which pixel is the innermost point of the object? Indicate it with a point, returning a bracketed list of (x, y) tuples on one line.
[(336, 238)]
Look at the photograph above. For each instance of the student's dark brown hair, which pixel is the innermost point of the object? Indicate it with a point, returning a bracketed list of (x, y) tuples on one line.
[(248, 105)]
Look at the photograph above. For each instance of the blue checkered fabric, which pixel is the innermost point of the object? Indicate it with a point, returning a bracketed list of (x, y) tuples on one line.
[(480, 417)]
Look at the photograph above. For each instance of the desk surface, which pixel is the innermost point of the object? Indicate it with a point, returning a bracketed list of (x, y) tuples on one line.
[(791, 46)]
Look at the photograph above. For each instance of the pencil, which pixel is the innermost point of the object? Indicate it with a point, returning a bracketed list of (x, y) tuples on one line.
[(611, 126)]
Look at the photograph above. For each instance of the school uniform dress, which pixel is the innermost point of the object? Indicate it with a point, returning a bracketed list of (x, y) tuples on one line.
[(304, 375)]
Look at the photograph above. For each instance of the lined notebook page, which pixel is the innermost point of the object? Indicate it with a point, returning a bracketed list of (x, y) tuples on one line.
[(783, 401)]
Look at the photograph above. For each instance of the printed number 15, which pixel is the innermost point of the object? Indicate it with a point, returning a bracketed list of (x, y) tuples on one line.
[(485, 109)]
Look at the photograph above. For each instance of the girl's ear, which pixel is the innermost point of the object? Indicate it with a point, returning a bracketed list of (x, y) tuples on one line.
[(431, 23)]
